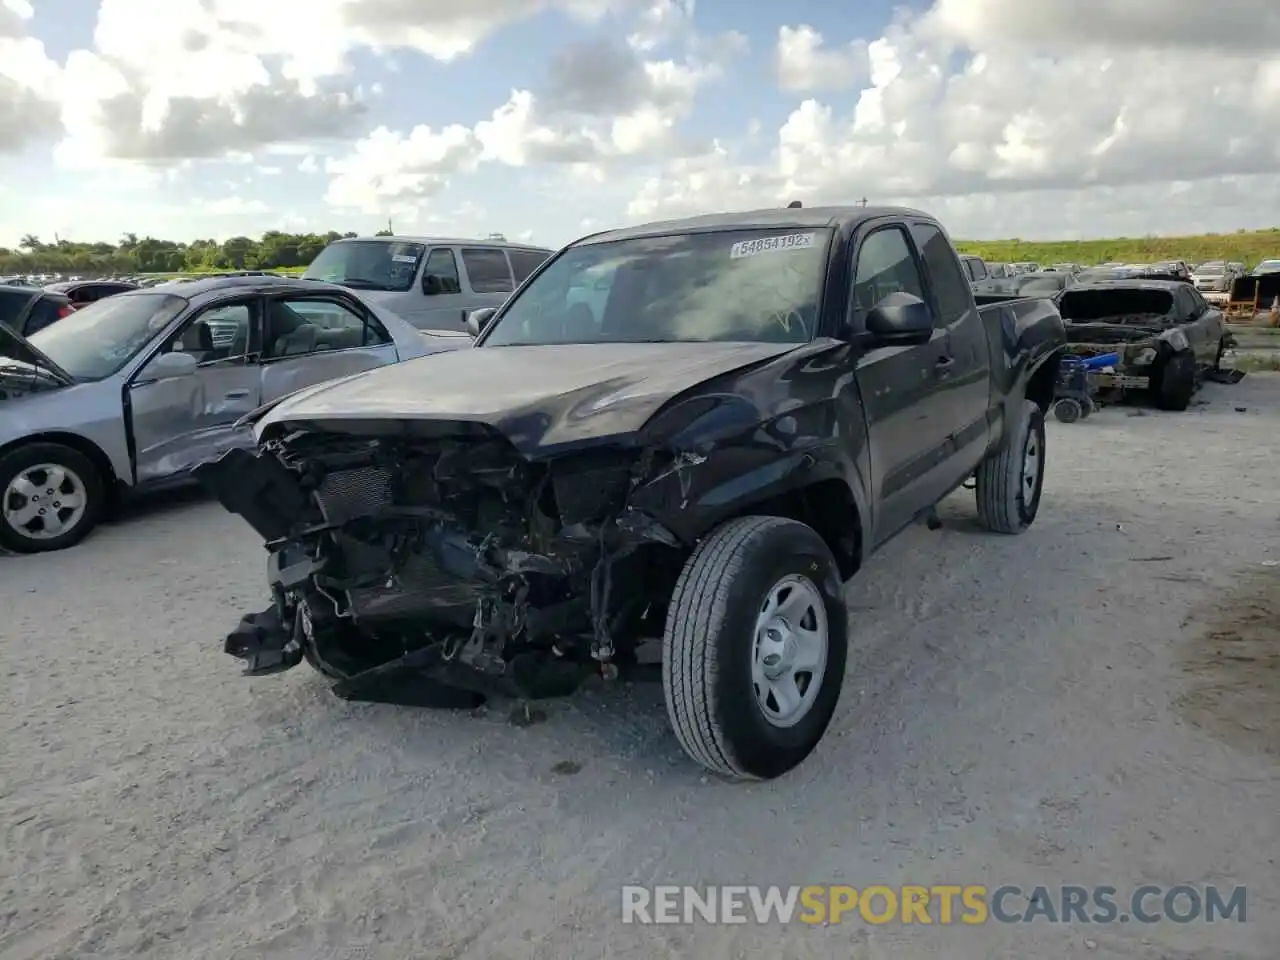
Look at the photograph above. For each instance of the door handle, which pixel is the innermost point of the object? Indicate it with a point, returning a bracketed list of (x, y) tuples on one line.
[(943, 365), (237, 394)]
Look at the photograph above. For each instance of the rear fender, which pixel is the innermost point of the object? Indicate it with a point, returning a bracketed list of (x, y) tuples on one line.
[(1027, 339)]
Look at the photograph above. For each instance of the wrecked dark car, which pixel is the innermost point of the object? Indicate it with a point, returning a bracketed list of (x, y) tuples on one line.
[(1168, 336), (663, 456)]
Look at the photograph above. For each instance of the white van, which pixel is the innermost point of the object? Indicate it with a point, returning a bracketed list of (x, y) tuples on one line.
[(432, 282)]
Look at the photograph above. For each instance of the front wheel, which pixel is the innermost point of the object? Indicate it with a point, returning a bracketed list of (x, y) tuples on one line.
[(754, 649), (1008, 484), (51, 496)]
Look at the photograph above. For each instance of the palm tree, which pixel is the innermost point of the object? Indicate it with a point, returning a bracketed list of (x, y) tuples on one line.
[(29, 242)]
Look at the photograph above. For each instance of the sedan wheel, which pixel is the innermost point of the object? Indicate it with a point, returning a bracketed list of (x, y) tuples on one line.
[(50, 497), (45, 501)]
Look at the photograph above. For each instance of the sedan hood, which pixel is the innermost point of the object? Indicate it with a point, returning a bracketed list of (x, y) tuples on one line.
[(540, 397), (17, 348)]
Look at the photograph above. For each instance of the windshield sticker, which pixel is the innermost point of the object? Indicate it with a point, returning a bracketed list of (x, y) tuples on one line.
[(401, 258), (792, 241)]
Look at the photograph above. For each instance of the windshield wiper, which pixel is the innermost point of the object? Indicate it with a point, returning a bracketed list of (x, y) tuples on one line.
[(362, 283)]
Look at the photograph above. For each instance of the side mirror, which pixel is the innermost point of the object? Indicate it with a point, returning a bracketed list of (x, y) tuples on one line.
[(477, 320), (168, 366), (900, 319)]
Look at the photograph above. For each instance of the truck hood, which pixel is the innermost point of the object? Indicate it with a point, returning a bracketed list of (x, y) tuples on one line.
[(539, 397), (19, 358)]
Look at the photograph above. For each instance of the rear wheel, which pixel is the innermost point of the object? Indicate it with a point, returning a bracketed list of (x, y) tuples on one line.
[(1176, 384), (754, 648), (1008, 484), (51, 496)]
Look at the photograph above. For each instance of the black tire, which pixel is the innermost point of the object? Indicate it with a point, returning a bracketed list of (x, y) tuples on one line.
[(1176, 384), (20, 538), (709, 644), (1005, 503), (1069, 410)]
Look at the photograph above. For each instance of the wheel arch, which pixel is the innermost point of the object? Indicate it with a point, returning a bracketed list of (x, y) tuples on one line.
[(826, 505), (82, 445)]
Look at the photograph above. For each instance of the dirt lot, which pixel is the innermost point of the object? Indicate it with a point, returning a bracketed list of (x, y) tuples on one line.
[(1095, 703)]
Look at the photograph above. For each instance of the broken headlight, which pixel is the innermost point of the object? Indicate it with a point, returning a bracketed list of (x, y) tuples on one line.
[(1145, 358)]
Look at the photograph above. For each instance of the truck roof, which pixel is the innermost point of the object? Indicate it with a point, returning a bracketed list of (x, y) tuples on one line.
[(445, 241), (797, 218)]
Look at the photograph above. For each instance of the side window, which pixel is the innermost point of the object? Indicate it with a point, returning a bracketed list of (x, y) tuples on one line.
[(950, 287), (1184, 305), (487, 269), (524, 262), (44, 311), (222, 332), (1199, 302), (885, 265), (297, 326), (440, 275), (12, 305)]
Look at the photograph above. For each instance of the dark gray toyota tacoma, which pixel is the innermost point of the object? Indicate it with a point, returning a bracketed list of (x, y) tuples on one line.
[(693, 430)]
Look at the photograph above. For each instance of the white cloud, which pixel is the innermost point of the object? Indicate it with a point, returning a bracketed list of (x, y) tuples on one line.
[(210, 76), (29, 82), (603, 104), (232, 206), (1034, 113), (803, 64), (1052, 118)]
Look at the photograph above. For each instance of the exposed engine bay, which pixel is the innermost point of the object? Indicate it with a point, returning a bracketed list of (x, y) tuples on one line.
[(378, 552), (1116, 316)]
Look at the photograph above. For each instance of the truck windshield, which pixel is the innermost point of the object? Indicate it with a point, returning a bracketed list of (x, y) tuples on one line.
[(740, 285), (97, 340), (368, 264)]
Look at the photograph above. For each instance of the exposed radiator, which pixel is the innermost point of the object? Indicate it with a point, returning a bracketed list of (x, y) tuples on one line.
[(348, 494)]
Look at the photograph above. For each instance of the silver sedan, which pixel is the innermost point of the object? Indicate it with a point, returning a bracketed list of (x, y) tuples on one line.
[(130, 393)]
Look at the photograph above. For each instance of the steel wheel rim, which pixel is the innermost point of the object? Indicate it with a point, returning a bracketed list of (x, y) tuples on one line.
[(1031, 461), (44, 501), (790, 651)]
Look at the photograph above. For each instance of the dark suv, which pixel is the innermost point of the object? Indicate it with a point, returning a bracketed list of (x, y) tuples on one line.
[(28, 309)]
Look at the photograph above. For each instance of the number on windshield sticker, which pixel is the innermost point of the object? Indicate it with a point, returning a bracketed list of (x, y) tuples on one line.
[(792, 241)]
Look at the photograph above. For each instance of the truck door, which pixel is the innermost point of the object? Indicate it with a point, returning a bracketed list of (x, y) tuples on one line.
[(908, 425), (966, 380)]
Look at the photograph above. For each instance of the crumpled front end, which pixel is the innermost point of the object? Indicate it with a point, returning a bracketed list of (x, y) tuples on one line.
[(449, 553), (1143, 342)]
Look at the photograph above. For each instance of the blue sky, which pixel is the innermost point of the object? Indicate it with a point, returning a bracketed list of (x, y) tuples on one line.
[(970, 121)]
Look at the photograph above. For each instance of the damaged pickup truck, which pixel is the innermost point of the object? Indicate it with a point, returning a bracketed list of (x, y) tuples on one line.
[(1168, 336), (693, 430)]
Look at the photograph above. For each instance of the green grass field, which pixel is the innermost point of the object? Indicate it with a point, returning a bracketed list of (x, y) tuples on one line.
[(1246, 246)]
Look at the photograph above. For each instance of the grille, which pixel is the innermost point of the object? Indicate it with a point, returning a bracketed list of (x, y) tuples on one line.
[(349, 494)]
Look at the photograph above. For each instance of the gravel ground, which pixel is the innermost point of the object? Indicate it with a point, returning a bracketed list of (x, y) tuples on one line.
[(1094, 702)]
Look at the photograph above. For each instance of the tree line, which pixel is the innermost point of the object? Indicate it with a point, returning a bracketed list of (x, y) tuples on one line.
[(132, 254), (276, 250)]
